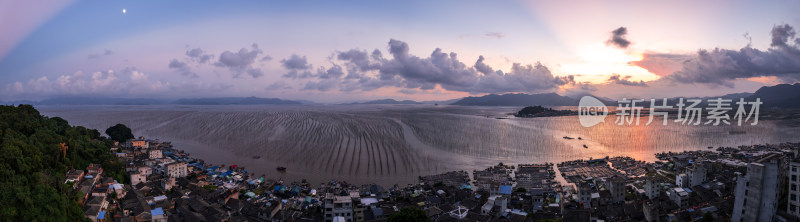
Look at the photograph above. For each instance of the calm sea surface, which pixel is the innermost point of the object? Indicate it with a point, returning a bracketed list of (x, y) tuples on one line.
[(391, 144)]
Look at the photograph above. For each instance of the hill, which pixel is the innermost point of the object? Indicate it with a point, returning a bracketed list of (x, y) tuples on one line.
[(234, 101), (779, 96), (33, 164), (390, 101), (520, 99)]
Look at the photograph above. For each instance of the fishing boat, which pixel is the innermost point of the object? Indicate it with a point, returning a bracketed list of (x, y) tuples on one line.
[(280, 168), (584, 146)]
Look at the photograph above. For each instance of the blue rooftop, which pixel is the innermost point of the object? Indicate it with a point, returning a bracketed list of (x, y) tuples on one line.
[(505, 189), (157, 211), (101, 215)]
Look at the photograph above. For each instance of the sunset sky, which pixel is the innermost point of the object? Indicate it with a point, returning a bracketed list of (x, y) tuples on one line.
[(331, 51)]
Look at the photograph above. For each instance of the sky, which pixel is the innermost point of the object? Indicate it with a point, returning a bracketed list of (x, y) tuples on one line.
[(326, 51)]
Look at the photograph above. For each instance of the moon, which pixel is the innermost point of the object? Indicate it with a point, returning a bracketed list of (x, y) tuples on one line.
[(123, 11)]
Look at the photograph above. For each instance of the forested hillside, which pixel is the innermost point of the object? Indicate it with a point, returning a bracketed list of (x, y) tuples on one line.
[(33, 164)]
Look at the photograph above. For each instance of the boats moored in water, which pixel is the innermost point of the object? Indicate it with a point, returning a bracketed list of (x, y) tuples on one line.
[(586, 147), (280, 168), (569, 138)]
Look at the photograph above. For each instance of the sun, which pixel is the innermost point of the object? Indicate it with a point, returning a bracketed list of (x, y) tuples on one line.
[(596, 63), (124, 11)]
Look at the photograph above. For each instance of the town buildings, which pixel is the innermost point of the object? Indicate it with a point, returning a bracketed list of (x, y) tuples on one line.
[(758, 191)]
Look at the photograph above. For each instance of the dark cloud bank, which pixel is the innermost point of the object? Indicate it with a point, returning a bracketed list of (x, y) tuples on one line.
[(721, 66), (363, 70)]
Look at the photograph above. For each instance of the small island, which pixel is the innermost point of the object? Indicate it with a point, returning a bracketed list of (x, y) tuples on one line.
[(540, 111)]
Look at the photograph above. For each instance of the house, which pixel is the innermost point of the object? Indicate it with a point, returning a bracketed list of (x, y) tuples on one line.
[(74, 176), (158, 215), (177, 170), (338, 206), (137, 178), (140, 143), (94, 168), (155, 154), (679, 196)]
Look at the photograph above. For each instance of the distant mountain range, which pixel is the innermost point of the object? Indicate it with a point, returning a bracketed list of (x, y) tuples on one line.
[(518, 99), (235, 101), (389, 101), (780, 96), (553, 99), (143, 101)]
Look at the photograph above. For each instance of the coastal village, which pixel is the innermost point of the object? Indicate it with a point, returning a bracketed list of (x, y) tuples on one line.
[(747, 183)]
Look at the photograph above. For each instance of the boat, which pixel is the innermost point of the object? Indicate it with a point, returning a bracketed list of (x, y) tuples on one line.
[(280, 168), (569, 138), (256, 157), (580, 138), (584, 146)]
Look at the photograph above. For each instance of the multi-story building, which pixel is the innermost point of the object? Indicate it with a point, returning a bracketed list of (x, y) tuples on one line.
[(338, 206), (177, 169), (140, 143), (585, 195), (145, 170), (758, 191), (616, 185), (137, 178), (793, 207), (679, 196), (682, 180), (155, 154), (695, 175), (652, 188)]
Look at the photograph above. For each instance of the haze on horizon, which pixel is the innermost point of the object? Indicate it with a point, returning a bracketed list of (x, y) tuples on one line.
[(362, 50)]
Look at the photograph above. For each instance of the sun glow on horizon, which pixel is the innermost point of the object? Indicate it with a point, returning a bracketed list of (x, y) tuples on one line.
[(597, 62)]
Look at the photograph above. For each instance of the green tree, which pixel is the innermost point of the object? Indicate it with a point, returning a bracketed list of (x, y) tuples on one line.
[(409, 214), (119, 133), (33, 163)]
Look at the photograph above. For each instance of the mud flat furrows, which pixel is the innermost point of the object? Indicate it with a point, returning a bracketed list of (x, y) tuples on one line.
[(331, 143), (484, 137)]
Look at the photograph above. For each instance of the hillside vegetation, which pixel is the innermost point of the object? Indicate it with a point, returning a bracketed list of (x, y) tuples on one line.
[(33, 164)]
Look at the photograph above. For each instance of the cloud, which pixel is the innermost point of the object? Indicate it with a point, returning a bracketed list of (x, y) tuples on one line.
[(482, 67), (322, 85), (625, 80), (662, 64), (721, 66), (368, 71), (98, 55), (618, 38), (495, 35), (109, 82), (241, 62), (182, 68), (298, 67), (199, 56), (295, 62), (782, 34), (279, 85)]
